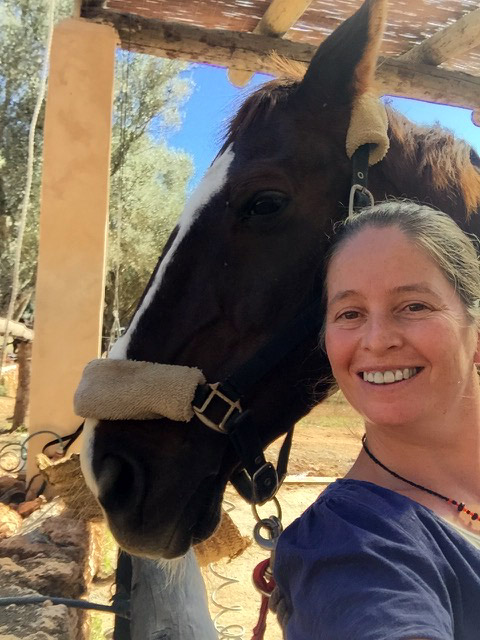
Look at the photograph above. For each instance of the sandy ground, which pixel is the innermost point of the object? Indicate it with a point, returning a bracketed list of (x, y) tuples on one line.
[(325, 444)]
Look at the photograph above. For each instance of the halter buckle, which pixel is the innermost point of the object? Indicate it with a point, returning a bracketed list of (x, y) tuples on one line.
[(231, 406)]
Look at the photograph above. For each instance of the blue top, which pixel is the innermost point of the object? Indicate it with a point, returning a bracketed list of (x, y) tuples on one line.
[(366, 563)]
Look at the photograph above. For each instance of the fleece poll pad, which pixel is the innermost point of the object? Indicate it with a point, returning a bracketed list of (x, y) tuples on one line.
[(130, 390)]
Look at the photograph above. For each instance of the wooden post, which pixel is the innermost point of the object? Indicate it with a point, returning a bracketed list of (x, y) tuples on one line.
[(73, 223), (168, 607)]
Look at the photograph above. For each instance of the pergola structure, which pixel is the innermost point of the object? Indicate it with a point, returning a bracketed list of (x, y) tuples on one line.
[(431, 51)]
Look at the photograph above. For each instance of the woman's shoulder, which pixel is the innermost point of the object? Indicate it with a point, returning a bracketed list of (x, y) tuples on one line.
[(364, 510)]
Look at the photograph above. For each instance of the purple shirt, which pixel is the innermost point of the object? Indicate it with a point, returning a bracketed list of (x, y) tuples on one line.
[(366, 563)]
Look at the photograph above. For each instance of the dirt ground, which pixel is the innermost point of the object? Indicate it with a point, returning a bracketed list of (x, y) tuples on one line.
[(325, 444)]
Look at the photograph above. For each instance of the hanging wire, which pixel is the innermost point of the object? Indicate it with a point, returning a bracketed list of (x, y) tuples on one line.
[(232, 631), (19, 451), (28, 185)]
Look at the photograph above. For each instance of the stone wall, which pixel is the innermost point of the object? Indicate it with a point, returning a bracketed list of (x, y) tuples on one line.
[(53, 555)]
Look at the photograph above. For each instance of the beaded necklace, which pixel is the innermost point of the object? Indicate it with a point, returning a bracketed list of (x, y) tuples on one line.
[(459, 505)]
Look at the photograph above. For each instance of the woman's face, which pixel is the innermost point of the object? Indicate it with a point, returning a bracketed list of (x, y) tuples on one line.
[(397, 336)]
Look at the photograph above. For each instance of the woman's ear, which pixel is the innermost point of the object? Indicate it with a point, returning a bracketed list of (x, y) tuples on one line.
[(476, 358)]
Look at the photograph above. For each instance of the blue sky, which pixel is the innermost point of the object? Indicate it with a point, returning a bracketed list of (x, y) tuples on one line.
[(215, 100)]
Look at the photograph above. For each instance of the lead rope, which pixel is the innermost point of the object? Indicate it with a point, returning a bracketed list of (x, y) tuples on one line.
[(263, 579)]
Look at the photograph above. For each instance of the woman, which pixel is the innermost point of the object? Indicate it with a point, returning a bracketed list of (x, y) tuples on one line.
[(393, 549)]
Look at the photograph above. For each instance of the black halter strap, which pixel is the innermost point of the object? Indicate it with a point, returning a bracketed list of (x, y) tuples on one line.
[(218, 406), (360, 196)]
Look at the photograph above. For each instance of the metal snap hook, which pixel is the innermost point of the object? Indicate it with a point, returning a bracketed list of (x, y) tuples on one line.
[(273, 527)]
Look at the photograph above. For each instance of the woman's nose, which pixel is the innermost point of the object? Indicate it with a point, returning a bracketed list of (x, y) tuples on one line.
[(381, 333)]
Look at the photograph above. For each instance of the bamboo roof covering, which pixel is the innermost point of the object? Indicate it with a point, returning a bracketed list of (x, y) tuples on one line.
[(239, 34)]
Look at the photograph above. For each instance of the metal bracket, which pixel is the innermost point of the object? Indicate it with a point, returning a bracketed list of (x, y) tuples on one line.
[(358, 188)]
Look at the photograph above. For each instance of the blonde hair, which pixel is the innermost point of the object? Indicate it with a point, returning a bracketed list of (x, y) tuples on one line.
[(452, 250)]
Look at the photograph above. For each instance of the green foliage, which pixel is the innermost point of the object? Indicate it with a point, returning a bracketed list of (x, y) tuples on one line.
[(148, 179), (23, 30)]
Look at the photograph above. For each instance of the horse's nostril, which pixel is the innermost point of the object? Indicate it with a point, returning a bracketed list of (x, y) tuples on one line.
[(118, 483)]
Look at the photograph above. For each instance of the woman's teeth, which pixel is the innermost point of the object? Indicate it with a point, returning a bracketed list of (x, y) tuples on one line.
[(387, 377)]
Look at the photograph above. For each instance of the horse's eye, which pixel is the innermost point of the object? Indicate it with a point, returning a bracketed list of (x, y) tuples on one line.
[(267, 203)]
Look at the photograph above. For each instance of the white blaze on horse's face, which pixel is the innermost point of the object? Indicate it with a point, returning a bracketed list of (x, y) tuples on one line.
[(86, 455), (211, 184)]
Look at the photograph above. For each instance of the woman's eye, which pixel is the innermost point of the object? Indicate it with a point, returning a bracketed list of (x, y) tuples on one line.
[(416, 306), (267, 203), (349, 315)]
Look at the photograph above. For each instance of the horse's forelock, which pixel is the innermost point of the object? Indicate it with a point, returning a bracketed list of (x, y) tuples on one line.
[(258, 106)]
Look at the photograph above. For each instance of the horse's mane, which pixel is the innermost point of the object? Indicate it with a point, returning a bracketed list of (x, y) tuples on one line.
[(448, 159)]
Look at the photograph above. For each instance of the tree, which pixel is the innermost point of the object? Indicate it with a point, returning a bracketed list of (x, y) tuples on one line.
[(23, 29), (148, 178)]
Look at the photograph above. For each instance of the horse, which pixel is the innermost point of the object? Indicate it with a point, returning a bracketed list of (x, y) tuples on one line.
[(242, 263)]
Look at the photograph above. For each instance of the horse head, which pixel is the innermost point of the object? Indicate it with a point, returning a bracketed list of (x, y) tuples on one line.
[(243, 261)]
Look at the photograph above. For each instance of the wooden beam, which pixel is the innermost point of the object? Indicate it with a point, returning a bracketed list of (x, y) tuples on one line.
[(451, 42), (280, 16), (252, 52), (16, 329), (276, 21)]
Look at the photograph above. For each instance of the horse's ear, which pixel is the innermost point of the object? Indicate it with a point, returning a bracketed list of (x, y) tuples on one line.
[(344, 65)]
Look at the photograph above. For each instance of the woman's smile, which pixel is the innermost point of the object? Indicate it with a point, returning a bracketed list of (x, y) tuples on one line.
[(389, 376)]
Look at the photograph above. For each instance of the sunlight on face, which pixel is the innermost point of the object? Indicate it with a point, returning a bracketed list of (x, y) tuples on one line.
[(397, 336)]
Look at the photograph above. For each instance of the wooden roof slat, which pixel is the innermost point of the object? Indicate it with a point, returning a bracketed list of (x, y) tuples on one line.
[(276, 21), (252, 52), (280, 16), (451, 42)]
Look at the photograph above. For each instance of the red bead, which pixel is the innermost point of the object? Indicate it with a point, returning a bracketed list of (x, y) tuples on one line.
[(468, 511), (453, 501)]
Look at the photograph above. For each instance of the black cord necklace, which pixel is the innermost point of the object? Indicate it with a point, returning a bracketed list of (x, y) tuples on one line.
[(460, 506)]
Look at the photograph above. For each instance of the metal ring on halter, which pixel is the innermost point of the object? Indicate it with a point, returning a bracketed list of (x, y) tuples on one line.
[(351, 199), (277, 507)]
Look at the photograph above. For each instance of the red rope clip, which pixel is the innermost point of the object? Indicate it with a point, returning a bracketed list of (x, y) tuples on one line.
[(265, 587), (261, 583)]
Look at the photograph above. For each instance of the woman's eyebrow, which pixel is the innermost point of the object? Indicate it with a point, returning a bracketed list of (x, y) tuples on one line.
[(341, 295), (417, 287)]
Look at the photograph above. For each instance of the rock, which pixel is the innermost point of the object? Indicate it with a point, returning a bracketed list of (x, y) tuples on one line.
[(53, 555), (34, 622), (11, 490), (10, 522), (26, 509)]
